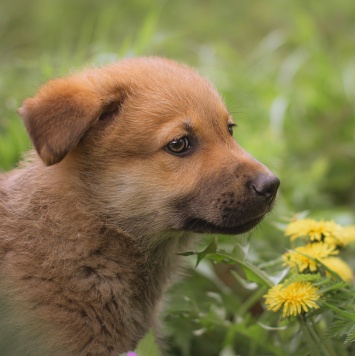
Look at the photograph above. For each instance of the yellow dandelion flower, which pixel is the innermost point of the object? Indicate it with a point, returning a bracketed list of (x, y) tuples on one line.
[(327, 231), (296, 259), (341, 268), (349, 234), (295, 298)]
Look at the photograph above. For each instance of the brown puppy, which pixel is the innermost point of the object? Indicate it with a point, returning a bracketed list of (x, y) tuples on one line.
[(133, 159)]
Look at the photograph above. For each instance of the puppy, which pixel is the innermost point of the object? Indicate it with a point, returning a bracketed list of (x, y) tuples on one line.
[(132, 160)]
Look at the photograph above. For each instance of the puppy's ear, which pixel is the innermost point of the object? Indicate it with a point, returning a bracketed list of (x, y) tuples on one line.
[(60, 114)]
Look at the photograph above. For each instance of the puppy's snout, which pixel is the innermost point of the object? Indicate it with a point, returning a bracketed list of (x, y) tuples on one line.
[(266, 185)]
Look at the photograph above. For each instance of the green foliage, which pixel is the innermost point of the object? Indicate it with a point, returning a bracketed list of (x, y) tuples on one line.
[(336, 314), (148, 346), (287, 73)]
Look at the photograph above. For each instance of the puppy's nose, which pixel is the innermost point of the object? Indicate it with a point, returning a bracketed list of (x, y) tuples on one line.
[(266, 185)]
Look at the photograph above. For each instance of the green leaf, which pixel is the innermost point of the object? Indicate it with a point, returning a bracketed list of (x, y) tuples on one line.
[(255, 334), (188, 253), (211, 248), (252, 272), (342, 328), (256, 275), (239, 251), (243, 282), (344, 313), (333, 287), (148, 346), (303, 278)]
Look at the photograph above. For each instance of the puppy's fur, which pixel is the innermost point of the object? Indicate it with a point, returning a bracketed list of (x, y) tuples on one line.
[(133, 159)]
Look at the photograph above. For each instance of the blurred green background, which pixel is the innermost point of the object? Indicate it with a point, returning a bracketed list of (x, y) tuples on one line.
[(286, 70)]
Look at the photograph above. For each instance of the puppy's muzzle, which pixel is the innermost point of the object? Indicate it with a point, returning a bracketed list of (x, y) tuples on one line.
[(232, 209)]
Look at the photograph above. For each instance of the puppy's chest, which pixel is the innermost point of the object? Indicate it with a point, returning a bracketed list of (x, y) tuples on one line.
[(104, 300), (114, 273)]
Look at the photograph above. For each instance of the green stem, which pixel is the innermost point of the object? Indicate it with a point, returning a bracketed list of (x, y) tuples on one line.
[(248, 303), (277, 261), (312, 345), (313, 340), (261, 275), (324, 342)]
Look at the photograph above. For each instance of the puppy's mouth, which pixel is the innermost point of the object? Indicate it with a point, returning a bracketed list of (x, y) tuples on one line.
[(203, 226)]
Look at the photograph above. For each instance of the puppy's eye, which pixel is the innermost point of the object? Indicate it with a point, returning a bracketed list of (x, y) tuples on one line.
[(230, 128), (179, 146)]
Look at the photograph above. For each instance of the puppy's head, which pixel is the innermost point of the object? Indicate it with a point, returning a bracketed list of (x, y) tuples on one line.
[(152, 143)]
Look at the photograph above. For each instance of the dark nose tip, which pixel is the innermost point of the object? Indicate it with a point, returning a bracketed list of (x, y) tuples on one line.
[(266, 185)]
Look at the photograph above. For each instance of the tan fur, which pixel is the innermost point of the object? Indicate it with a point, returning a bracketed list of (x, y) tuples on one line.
[(91, 227)]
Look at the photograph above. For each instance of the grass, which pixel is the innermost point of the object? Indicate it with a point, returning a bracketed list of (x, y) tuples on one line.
[(285, 69)]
